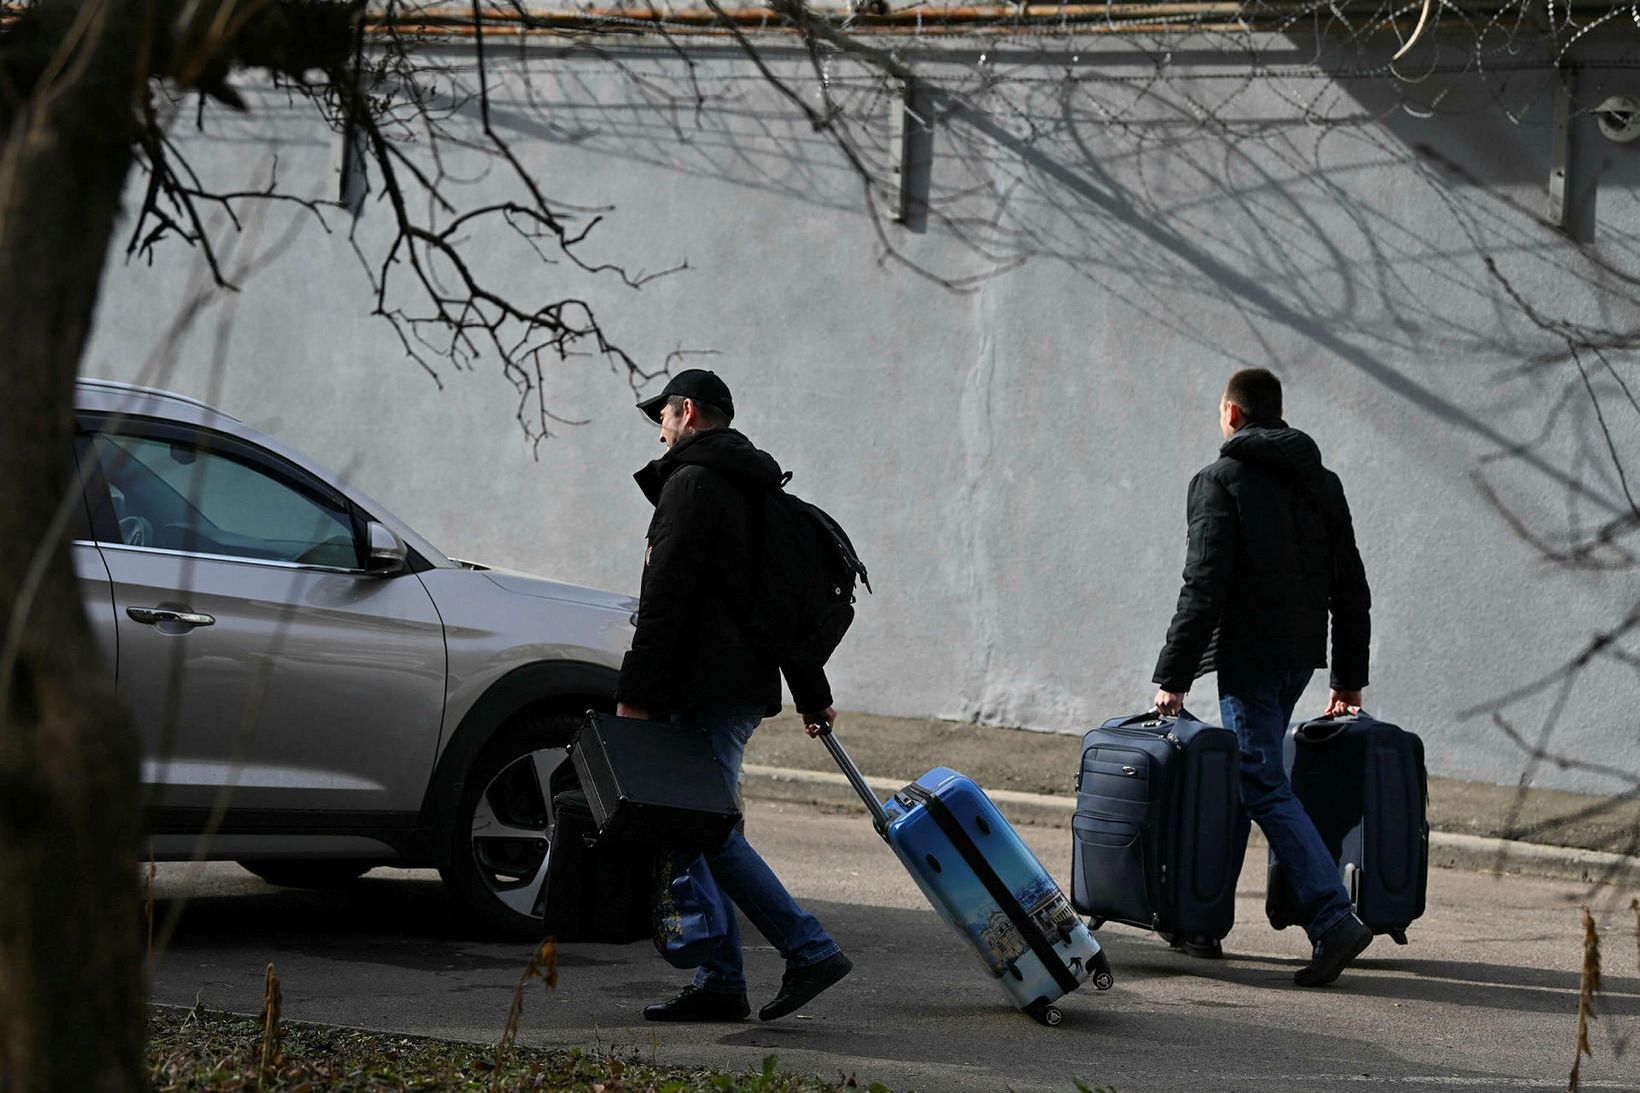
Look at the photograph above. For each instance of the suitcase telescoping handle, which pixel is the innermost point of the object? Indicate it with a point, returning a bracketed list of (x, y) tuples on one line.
[(879, 817)]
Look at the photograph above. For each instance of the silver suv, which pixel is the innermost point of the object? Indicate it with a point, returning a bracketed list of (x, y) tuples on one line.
[(317, 688)]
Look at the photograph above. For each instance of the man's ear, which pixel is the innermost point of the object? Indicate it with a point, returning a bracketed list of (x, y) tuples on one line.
[(1237, 417)]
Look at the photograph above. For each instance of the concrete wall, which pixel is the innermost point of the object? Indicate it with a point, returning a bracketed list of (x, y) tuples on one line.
[(1011, 461)]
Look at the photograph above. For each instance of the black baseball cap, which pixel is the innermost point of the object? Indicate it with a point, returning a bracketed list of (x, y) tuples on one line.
[(692, 383)]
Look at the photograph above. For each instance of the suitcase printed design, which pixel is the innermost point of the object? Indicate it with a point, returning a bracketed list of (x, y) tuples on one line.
[(1158, 806), (985, 882), (1363, 783)]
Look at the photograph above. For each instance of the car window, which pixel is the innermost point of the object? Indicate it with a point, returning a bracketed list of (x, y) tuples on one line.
[(180, 495)]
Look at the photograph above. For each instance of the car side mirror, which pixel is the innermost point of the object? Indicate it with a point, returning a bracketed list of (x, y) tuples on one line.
[(388, 555)]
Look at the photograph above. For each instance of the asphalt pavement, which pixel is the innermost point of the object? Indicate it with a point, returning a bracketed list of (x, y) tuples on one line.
[(1484, 997)]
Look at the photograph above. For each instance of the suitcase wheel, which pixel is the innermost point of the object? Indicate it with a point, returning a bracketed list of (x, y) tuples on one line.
[(1045, 1012), (1398, 936), (1102, 979)]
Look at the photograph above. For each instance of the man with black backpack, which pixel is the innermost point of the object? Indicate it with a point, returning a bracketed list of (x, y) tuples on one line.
[(712, 639), (1271, 553)]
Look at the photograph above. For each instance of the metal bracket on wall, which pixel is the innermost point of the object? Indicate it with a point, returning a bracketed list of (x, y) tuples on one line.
[(899, 105), (349, 162), (1560, 148)]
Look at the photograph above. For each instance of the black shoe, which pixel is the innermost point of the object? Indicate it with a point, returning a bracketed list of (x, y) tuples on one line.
[(1199, 945), (1337, 947), (801, 984), (697, 1004)]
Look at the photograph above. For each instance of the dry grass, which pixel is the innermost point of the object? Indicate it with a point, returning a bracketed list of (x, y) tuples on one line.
[(272, 1002), (1585, 996), (1589, 986), (203, 1051), (542, 965), (1634, 905)]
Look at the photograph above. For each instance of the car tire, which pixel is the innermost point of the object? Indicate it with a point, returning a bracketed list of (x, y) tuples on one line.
[(307, 874), (496, 856)]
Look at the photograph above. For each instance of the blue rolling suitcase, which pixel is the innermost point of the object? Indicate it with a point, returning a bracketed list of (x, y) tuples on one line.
[(1363, 783), (985, 882), (1154, 836)]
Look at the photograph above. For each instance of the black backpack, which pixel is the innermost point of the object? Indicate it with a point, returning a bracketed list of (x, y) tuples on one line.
[(803, 592)]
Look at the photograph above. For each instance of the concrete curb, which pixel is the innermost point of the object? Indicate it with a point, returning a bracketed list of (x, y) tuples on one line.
[(1447, 850)]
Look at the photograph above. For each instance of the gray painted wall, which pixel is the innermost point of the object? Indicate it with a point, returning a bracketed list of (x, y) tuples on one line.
[(1011, 461)]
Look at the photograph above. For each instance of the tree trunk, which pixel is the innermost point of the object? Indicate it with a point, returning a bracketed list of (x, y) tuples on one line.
[(71, 958)]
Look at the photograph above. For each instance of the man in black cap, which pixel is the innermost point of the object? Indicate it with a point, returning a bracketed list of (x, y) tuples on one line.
[(692, 661)]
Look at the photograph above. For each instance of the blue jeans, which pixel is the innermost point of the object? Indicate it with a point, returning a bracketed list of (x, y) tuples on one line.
[(743, 876), (1257, 705)]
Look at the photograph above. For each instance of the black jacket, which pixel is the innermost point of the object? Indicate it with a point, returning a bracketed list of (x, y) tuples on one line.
[(1272, 551), (698, 583)]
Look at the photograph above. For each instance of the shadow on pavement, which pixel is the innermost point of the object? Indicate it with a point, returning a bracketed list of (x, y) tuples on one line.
[(410, 922), (403, 921), (1385, 971)]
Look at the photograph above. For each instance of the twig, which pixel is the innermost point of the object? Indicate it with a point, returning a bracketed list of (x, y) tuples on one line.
[(272, 1000), (542, 965)]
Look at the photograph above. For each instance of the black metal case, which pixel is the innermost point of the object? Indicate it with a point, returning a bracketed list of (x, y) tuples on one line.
[(653, 782)]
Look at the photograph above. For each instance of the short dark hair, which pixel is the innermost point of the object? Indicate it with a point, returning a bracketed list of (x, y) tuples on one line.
[(1257, 392), (710, 415)]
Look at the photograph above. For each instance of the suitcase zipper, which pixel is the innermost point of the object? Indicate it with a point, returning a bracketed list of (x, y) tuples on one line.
[(1129, 770), (1170, 737), (1163, 837)]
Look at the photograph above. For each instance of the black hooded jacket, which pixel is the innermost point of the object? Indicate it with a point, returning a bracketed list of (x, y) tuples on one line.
[(1272, 552), (698, 584)]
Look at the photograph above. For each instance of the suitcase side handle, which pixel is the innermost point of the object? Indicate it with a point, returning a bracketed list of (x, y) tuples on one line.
[(1324, 731), (879, 815)]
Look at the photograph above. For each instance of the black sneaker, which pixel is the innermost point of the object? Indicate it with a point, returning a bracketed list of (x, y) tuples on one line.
[(799, 985), (1337, 947), (697, 1004)]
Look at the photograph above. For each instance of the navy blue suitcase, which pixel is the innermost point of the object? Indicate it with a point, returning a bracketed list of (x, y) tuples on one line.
[(1153, 837), (1363, 783)]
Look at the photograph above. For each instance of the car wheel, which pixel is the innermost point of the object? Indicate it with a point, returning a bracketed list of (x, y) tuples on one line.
[(497, 858), (307, 874)]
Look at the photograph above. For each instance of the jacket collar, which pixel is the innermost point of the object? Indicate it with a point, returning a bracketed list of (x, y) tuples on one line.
[(725, 450)]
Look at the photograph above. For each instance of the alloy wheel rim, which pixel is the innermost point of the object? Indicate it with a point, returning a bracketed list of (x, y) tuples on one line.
[(510, 845)]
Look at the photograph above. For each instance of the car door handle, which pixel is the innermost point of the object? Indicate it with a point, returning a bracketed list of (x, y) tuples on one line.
[(151, 615)]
